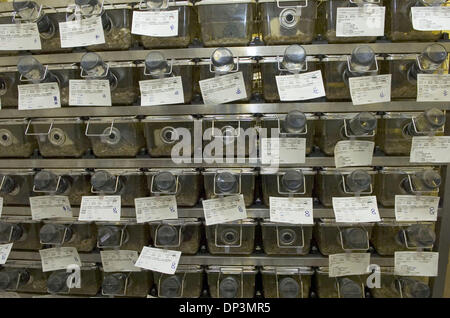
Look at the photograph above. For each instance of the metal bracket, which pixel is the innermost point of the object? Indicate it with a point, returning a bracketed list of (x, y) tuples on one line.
[(37, 134), (107, 192), (355, 71), (405, 237), (87, 134), (234, 70), (304, 68), (49, 191), (225, 246), (277, 282), (290, 246), (280, 134), (286, 7), (22, 79)]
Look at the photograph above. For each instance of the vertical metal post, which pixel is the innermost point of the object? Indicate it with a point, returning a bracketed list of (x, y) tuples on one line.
[(443, 239)]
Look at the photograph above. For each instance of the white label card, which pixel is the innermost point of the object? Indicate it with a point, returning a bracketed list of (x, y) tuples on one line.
[(50, 206), (300, 86), (155, 23), (5, 249), (353, 153), (370, 89), (291, 210), (223, 210), (434, 149), (1, 206), (57, 258), (119, 261), (89, 93), (19, 36), (348, 264), (416, 264), (39, 96), (156, 208), (164, 91), (431, 18), (433, 87), (159, 260), (416, 208), (223, 89), (82, 32), (366, 20), (356, 209), (283, 150), (100, 208)]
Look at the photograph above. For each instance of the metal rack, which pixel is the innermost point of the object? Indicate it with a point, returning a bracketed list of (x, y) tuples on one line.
[(443, 242), (247, 51), (202, 109), (164, 163), (255, 211)]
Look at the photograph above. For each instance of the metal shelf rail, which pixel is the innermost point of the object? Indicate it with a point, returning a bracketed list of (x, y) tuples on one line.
[(256, 211), (384, 161), (247, 51), (226, 109), (256, 259)]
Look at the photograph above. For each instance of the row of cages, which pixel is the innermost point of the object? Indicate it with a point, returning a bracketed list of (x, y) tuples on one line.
[(192, 281), (259, 73), (213, 136), (221, 23), (244, 237), (191, 186)]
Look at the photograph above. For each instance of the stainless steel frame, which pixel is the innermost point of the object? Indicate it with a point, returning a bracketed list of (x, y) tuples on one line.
[(249, 51), (206, 259), (226, 109), (442, 244), (384, 161), (255, 211)]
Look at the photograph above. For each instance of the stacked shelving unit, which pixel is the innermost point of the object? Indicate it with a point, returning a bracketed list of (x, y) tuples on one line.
[(257, 211)]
